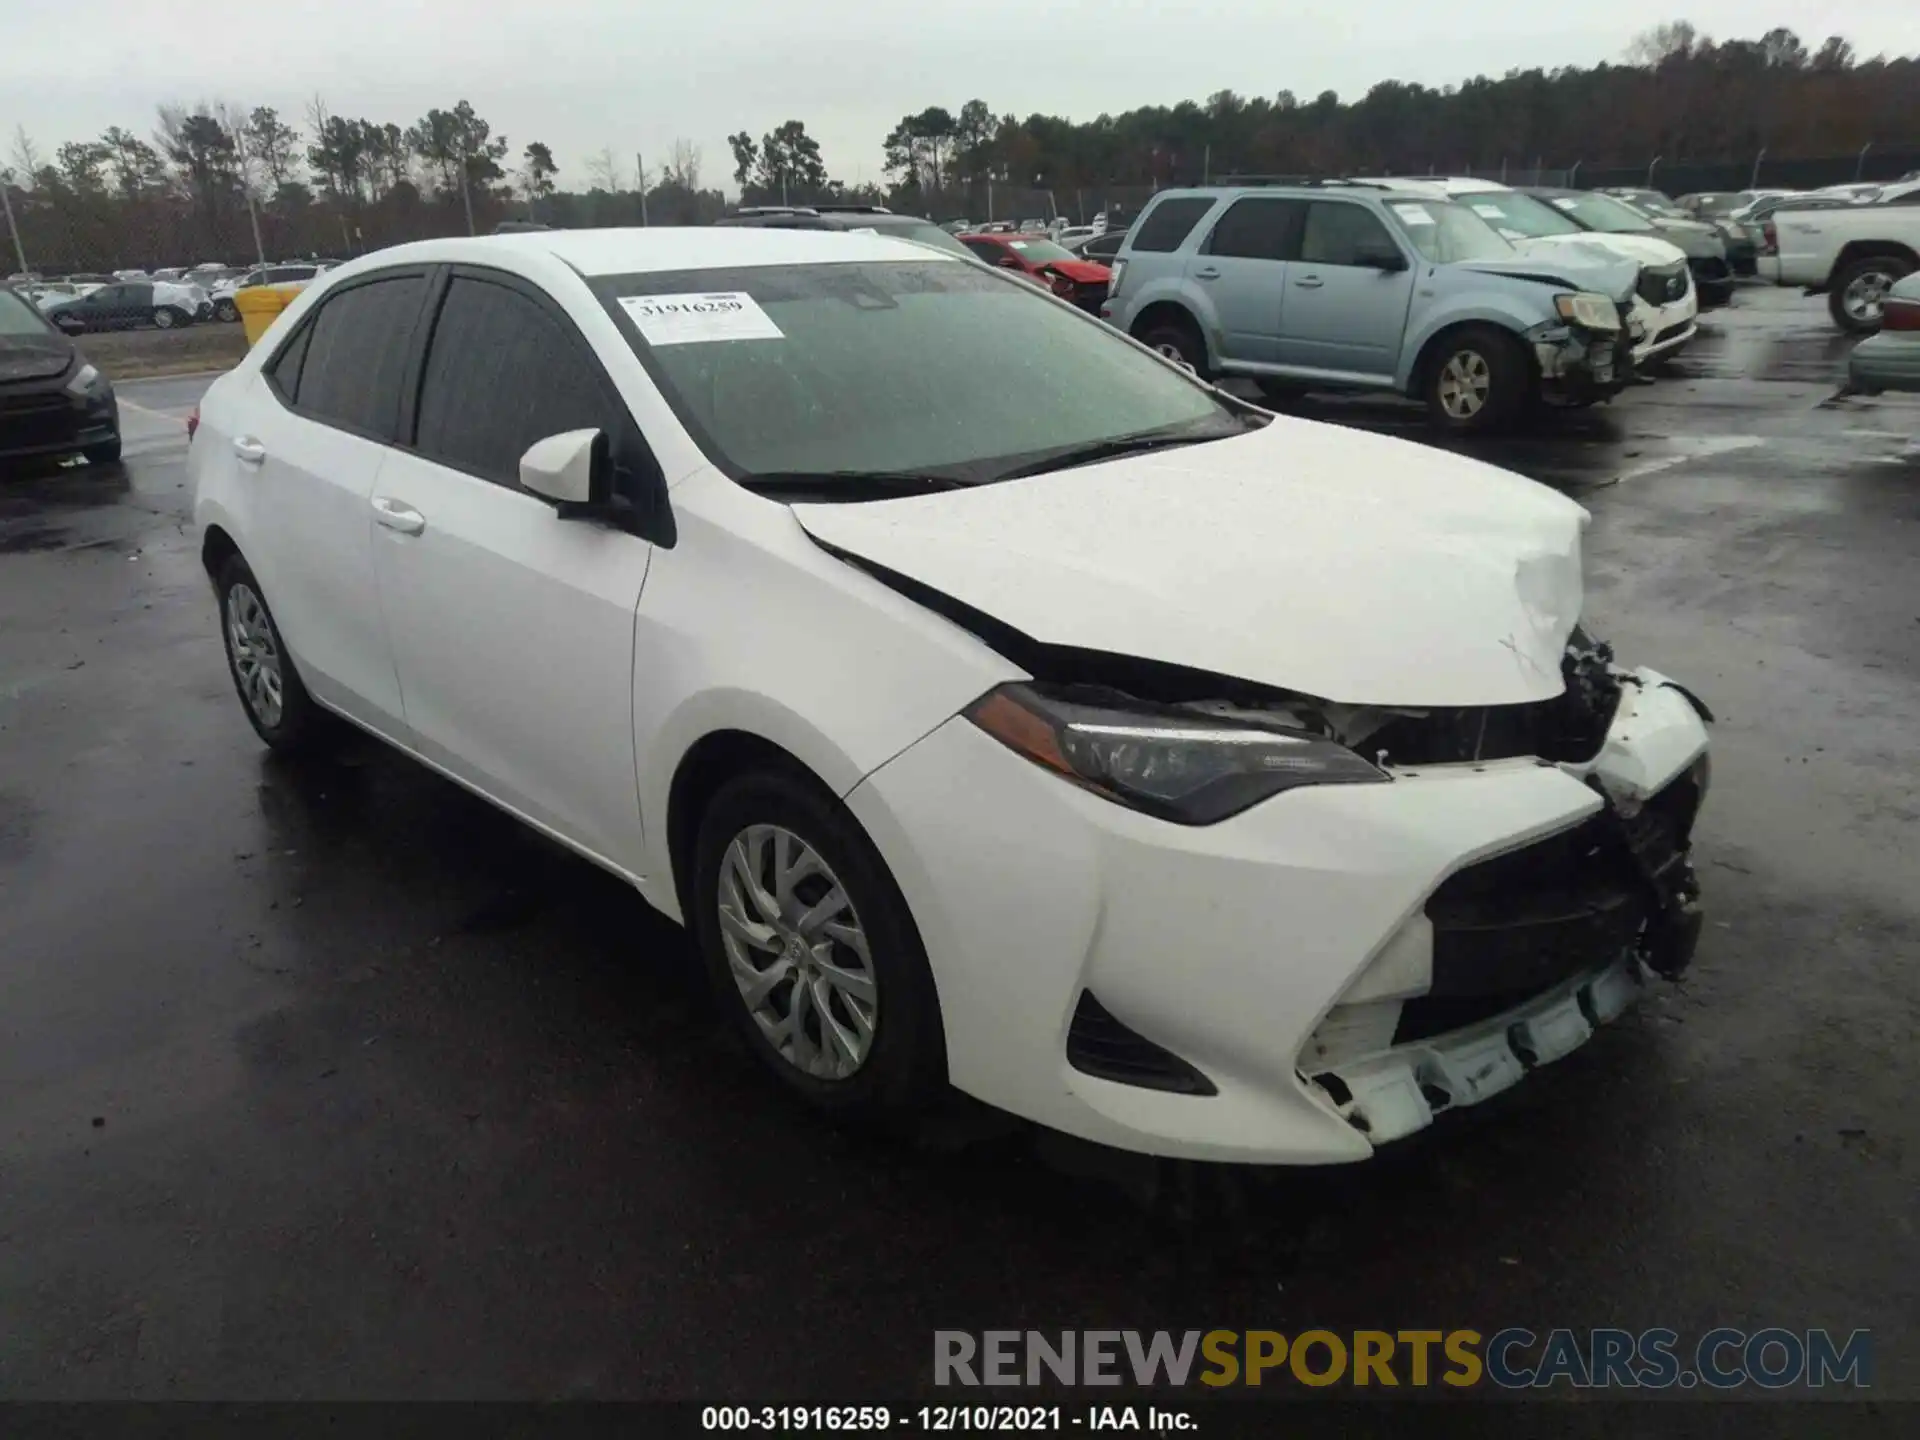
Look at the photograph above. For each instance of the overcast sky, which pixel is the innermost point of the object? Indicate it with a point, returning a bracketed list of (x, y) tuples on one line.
[(582, 74)]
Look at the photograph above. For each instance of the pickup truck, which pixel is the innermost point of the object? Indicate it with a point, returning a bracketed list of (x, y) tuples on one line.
[(1853, 255)]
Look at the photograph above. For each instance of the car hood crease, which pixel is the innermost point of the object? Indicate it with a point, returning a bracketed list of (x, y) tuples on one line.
[(1307, 557)]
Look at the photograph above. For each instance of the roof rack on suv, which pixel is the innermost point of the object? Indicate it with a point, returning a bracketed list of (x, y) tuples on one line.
[(850, 209), (1305, 182), (777, 210)]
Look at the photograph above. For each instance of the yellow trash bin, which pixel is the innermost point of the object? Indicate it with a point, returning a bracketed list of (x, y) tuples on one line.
[(260, 306)]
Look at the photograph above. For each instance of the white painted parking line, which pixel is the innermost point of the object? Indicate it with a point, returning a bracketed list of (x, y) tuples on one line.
[(1687, 448)]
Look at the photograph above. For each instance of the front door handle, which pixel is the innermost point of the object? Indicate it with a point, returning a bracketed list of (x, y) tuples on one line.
[(1207, 274), (396, 516), (1309, 282), (249, 450)]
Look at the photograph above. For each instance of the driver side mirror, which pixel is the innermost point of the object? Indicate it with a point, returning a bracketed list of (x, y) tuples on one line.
[(1383, 258), (572, 468)]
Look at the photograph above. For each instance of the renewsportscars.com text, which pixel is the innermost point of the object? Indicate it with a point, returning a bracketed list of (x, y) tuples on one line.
[(1513, 1358)]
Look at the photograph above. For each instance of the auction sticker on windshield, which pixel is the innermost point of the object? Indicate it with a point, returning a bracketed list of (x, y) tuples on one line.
[(691, 319), (1414, 214)]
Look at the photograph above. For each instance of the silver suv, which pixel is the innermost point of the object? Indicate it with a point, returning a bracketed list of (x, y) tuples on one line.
[(1350, 285)]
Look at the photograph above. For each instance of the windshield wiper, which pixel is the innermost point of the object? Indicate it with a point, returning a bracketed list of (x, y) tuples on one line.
[(848, 483), (1098, 450)]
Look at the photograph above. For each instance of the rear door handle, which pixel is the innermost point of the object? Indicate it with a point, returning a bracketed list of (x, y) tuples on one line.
[(396, 516), (249, 450), (1207, 274), (1309, 282)]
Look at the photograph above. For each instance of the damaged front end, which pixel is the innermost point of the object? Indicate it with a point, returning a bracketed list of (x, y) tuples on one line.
[(1581, 365)]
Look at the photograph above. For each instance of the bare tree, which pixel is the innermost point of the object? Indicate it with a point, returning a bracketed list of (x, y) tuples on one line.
[(604, 172), (26, 158), (683, 165)]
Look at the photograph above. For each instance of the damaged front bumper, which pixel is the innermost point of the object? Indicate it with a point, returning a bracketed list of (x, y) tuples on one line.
[(1266, 989), (1578, 366)]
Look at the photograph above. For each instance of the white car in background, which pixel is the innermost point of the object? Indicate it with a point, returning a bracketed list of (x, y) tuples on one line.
[(290, 276), (1666, 305), (984, 734)]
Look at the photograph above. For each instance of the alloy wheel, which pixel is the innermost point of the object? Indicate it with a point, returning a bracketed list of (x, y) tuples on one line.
[(1466, 382), (797, 953), (1866, 296), (256, 659)]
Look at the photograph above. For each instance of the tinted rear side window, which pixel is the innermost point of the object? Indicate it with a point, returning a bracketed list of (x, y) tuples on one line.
[(1167, 225), (1258, 230), (284, 373), (502, 374), (354, 363)]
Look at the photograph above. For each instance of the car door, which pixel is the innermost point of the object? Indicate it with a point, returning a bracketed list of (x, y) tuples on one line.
[(513, 628), (1345, 313), (318, 423), (1242, 270), (101, 310)]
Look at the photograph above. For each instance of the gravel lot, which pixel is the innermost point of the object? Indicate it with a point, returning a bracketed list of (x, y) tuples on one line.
[(332, 1081), (135, 354)]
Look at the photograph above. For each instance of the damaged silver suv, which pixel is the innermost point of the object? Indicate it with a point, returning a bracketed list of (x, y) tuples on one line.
[(1354, 285)]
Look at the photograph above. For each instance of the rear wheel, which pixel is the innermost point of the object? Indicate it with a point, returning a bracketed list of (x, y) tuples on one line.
[(1860, 290), (277, 704), (226, 310), (166, 317), (1477, 380), (1180, 342)]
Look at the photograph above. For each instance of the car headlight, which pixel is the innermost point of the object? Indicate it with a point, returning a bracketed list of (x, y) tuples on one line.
[(1595, 312), (85, 381), (1188, 768)]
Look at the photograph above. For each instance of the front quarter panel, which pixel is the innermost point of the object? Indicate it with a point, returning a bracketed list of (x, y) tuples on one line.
[(747, 625), (1443, 297)]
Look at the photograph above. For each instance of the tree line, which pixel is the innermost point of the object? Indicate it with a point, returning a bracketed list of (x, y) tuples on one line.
[(325, 183)]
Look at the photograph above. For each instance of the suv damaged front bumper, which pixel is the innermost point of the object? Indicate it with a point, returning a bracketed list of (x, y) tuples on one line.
[(1578, 366)]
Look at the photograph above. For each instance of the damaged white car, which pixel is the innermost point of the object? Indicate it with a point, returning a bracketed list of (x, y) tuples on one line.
[(1188, 779)]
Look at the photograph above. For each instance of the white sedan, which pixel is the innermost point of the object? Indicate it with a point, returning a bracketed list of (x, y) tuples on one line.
[(1000, 706)]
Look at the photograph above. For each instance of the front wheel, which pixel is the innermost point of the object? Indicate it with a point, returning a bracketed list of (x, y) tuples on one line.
[(226, 311), (166, 318), (1478, 380), (1860, 291), (811, 950)]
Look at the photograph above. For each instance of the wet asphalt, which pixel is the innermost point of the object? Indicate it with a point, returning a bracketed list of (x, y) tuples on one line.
[(330, 1081)]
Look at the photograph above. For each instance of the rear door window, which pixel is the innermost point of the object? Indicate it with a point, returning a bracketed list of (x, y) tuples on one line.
[(353, 365), (501, 374), (1258, 230), (1167, 225)]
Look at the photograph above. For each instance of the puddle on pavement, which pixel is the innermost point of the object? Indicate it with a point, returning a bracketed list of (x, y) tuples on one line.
[(1733, 346)]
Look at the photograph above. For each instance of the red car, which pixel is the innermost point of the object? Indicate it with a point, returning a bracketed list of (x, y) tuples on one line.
[(1084, 282)]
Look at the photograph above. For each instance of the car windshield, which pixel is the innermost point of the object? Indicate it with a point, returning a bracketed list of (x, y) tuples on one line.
[(920, 367), (1654, 203), (1517, 216), (1444, 233), (17, 317), (1603, 212), (1041, 251)]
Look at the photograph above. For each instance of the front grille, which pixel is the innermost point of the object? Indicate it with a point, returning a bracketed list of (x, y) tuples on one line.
[(1513, 926), (30, 421), (1664, 284), (1098, 1044), (1709, 267)]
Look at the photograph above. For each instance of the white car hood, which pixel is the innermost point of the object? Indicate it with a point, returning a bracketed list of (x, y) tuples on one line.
[(1644, 249), (1317, 559)]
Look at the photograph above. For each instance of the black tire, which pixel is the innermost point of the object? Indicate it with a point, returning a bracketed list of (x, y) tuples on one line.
[(904, 1068), (1507, 372), (1844, 309), (107, 452), (165, 317), (300, 726), (1179, 341), (225, 310)]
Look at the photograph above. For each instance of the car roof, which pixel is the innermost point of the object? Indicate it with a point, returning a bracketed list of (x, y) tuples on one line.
[(638, 250), (1381, 189)]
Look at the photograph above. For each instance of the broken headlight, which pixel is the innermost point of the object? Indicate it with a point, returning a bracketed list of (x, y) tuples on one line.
[(1596, 312), (1190, 768)]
